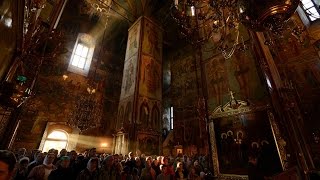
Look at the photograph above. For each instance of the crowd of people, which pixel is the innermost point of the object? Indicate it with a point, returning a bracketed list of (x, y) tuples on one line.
[(64, 165)]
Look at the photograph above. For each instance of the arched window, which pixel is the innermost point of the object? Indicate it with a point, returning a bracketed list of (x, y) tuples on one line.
[(311, 9), (82, 55), (57, 139)]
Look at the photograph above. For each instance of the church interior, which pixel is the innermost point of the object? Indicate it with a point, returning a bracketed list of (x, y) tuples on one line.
[(224, 80)]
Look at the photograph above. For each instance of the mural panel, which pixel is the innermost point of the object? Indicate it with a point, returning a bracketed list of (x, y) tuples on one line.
[(133, 39), (150, 78), (148, 145), (238, 74), (184, 80), (245, 135), (129, 77), (152, 40)]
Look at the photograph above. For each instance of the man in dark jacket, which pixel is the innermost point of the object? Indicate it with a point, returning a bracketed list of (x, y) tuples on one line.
[(63, 171)]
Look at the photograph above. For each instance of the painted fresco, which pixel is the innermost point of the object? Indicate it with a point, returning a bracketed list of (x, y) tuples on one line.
[(238, 74), (133, 40), (239, 136), (152, 40), (129, 77), (150, 78), (57, 90), (148, 145), (184, 80)]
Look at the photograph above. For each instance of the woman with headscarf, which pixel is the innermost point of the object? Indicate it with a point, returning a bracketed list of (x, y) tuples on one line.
[(108, 170), (43, 171), (91, 172)]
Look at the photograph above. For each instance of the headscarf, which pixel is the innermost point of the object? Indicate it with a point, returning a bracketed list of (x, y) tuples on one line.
[(89, 163), (45, 161), (24, 159)]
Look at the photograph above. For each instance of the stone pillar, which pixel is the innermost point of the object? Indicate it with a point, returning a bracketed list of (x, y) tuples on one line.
[(139, 111)]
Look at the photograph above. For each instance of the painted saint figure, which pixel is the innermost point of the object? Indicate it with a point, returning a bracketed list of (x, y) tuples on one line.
[(218, 79), (241, 73)]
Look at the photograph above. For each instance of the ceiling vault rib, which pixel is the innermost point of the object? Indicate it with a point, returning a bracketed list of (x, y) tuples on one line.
[(118, 12), (128, 11), (134, 10)]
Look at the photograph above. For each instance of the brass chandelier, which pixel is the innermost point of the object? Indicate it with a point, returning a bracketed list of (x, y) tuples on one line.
[(202, 20)]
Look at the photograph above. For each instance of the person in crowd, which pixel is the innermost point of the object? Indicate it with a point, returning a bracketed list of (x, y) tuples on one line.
[(193, 175), (126, 174), (186, 162), (91, 172), (156, 166), (170, 169), (63, 153), (33, 153), (148, 173), (197, 167), (38, 160), (180, 173), (139, 166), (73, 157), (91, 154), (135, 175), (131, 162), (21, 153), (108, 170), (164, 175), (22, 169), (63, 171), (42, 171), (7, 164)]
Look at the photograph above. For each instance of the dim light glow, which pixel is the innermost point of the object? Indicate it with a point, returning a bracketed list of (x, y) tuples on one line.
[(65, 77), (57, 140), (104, 145), (193, 11)]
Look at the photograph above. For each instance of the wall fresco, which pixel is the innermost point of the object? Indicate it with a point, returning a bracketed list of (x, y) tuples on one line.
[(55, 97), (133, 43), (152, 40), (129, 77), (150, 78), (238, 74)]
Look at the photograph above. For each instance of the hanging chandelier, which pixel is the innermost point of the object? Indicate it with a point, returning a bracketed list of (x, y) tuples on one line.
[(87, 113), (202, 20)]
